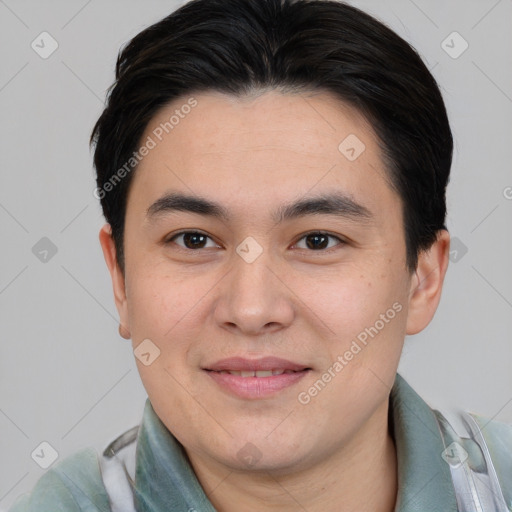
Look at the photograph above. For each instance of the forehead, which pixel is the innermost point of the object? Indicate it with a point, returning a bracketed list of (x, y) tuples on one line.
[(270, 145), (312, 123)]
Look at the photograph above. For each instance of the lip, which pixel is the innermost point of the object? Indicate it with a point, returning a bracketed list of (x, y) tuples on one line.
[(253, 388), (264, 363)]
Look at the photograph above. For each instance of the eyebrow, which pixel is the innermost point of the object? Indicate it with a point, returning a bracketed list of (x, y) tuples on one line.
[(336, 204)]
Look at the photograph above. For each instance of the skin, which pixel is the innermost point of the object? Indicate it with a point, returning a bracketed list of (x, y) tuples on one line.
[(307, 305)]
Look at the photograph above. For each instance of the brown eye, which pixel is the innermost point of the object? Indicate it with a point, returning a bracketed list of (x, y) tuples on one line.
[(318, 241), (192, 240)]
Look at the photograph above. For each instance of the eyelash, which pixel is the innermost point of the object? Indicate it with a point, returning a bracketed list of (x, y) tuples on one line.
[(305, 235)]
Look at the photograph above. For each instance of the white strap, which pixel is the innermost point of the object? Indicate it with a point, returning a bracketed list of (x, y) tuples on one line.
[(487, 483), (475, 482), (118, 471)]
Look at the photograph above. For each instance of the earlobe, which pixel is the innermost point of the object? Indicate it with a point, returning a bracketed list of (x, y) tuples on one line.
[(124, 332), (118, 281), (427, 283)]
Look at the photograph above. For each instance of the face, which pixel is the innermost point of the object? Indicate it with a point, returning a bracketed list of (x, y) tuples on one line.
[(265, 260)]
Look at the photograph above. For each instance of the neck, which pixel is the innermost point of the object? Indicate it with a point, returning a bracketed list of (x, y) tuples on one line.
[(359, 476)]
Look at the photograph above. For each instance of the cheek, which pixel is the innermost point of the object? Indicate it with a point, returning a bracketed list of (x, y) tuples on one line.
[(157, 303), (362, 315), (348, 300)]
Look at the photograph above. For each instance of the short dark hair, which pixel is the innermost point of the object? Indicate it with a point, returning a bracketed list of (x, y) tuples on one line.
[(242, 46)]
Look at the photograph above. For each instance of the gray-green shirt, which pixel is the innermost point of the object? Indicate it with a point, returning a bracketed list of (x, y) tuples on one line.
[(161, 478)]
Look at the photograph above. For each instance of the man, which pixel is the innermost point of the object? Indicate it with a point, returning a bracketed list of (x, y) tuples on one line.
[(273, 175)]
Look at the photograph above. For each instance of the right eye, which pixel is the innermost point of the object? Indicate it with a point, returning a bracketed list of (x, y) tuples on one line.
[(191, 240)]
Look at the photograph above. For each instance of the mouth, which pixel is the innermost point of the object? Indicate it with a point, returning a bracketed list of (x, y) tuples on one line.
[(256, 373), (255, 378)]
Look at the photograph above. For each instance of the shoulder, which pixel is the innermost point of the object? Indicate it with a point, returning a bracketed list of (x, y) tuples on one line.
[(481, 462), (495, 440), (72, 485), (496, 433)]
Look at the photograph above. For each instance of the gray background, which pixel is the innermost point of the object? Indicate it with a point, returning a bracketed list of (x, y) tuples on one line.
[(66, 377)]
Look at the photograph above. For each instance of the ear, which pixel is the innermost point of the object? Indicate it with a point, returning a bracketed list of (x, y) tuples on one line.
[(427, 283), (118, 282)]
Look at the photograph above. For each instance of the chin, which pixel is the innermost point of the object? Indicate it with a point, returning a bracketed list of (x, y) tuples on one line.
[(252, 452), (279, 464)]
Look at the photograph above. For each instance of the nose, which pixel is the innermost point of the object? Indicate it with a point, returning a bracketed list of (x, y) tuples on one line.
[(254, 298)]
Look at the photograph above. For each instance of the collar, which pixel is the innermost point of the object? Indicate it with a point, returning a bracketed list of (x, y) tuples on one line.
[(424, 478), (165, 480)]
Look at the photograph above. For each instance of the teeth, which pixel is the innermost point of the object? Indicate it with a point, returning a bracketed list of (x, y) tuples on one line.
[(264, 373), (259, 373)]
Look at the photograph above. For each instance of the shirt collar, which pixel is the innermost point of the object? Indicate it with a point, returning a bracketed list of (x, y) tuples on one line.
[(164, 478), (424, 478)]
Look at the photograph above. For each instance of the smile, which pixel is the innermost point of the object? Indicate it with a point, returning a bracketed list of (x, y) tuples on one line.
[(253, 379)]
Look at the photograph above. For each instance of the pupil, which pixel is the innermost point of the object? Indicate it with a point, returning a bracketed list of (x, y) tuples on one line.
[(315, 244), (192, 239)]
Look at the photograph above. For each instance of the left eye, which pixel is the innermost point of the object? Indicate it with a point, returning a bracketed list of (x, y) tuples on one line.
[(318, 240)]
